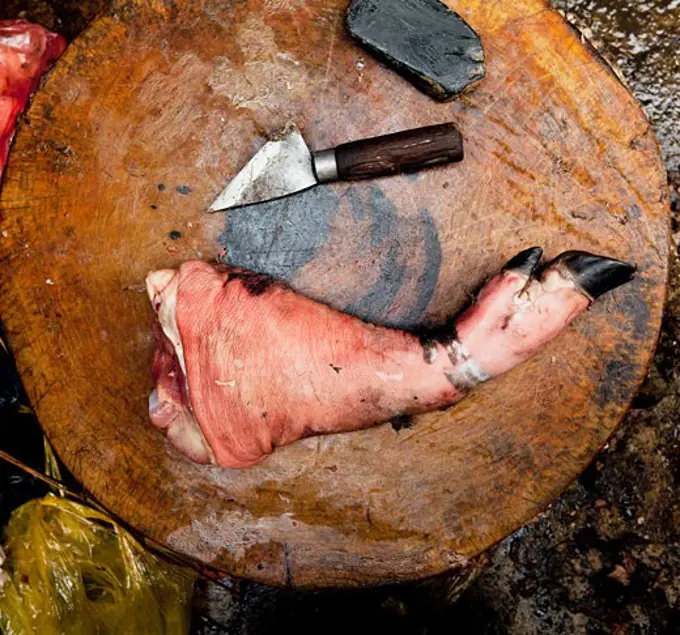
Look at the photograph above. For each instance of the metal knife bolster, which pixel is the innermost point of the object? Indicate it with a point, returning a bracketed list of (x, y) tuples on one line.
[(325, 165)]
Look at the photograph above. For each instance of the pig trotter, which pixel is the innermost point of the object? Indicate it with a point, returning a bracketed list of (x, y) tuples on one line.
[(522, 308), (242, 368)]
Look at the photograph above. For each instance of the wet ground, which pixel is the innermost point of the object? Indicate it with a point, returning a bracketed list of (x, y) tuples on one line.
[(605, 557)]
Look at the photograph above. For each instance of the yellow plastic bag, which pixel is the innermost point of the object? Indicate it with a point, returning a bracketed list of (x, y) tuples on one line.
[(69, 570)]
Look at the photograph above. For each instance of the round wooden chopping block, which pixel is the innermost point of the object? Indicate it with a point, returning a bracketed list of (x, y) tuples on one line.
[(143, 122)]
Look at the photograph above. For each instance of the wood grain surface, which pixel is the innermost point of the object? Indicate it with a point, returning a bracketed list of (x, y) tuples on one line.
[(143, 122)]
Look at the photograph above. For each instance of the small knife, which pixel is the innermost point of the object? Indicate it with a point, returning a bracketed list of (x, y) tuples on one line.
[(284, 165)]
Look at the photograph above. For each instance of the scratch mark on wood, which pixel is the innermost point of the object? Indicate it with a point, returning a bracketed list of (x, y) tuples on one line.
[(331, 47), (44, 394)]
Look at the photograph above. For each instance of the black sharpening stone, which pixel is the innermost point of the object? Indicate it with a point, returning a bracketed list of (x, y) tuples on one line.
[(423, 40)]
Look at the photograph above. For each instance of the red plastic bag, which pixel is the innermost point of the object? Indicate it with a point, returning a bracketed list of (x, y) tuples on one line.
[(26, 52)]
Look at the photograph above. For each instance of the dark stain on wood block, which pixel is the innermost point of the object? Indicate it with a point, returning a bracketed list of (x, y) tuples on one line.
[(423, 40), (400, 254)]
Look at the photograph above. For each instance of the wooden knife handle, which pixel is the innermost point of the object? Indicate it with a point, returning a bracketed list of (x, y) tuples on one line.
[(406, 151)]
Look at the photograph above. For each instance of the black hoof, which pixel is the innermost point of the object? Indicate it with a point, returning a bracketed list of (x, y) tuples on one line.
[(525, 262), (595, 274)]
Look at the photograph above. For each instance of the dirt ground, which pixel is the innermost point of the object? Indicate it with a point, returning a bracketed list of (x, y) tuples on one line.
[(605, 557)]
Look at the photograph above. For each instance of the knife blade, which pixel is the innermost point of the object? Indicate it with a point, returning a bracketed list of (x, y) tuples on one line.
[(285, 165)]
